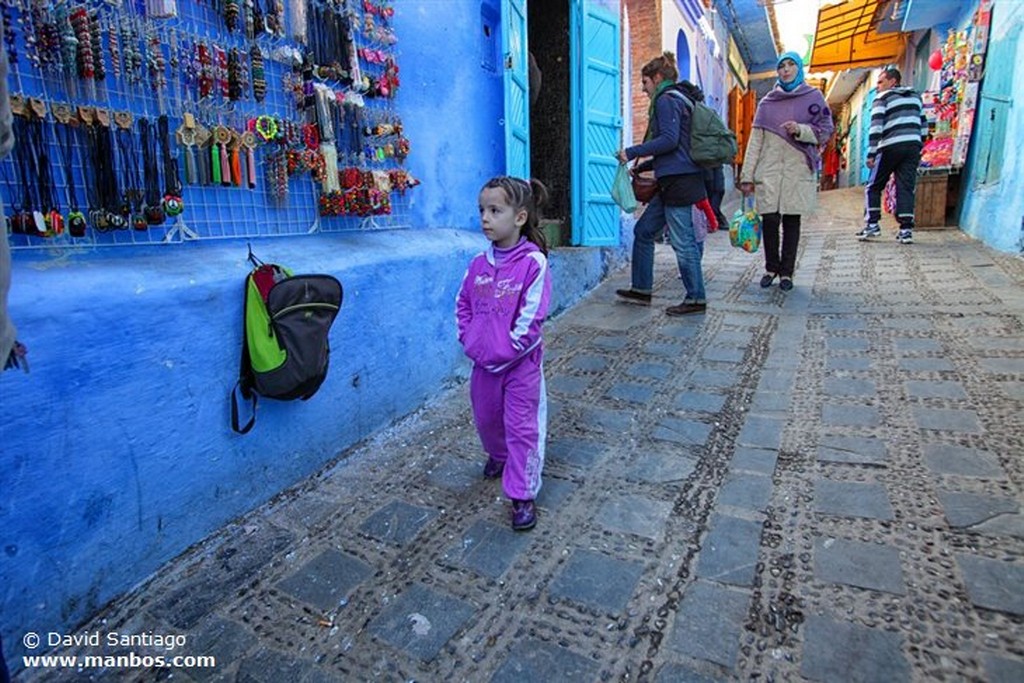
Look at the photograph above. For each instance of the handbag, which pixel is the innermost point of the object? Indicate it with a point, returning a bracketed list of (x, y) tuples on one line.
[(622, 190), (745, 227), (645, 187)]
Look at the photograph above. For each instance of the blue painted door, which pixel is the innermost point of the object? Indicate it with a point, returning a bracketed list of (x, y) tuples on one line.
[(865, 130), (517, 88), (595, 108)]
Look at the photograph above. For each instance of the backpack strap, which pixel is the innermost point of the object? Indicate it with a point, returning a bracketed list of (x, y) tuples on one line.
[(243, 386)]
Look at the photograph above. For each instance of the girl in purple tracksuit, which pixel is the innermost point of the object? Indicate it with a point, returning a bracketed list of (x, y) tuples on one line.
[(500, 308)]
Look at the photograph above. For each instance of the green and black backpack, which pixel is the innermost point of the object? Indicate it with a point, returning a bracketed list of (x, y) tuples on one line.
[(285, 350)]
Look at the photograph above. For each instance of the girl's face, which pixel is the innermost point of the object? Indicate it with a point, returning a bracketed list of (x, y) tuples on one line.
[(787, 70), (500, 222), (649, 85)]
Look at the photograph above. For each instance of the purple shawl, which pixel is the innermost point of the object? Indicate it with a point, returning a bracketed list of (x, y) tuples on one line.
[(804, 104)]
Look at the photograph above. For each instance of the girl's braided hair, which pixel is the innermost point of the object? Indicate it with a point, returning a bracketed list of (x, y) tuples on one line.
[(531, 196)]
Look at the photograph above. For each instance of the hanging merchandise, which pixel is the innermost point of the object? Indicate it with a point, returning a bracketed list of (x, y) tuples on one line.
[(129, 113)]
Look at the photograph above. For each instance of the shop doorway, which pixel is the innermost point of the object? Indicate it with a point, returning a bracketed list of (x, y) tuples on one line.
[(550, 124)]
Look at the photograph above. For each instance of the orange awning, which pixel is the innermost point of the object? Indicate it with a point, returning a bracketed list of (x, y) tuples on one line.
[(847, 37)]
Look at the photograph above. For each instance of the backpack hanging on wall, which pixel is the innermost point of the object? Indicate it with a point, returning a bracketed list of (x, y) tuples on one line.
[(285, 351)]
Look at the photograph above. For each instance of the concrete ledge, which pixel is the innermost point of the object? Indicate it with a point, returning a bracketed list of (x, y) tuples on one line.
[(117, 448)]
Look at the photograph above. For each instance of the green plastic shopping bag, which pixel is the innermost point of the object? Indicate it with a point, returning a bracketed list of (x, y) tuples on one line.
[(745, 226), (622, 190)]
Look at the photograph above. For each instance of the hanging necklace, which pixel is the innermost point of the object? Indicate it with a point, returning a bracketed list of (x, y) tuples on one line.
[(172, 202), (151, 174), (66, 138), (131, 203)]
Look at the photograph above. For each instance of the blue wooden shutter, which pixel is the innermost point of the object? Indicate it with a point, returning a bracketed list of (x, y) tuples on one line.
[(517, 88), (596, 120)]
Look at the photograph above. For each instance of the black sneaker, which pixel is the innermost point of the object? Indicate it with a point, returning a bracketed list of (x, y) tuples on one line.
[(524, 515), (905, 236), (686, 308), (869, 231), (767, 280), (786, 284), (634, 296)]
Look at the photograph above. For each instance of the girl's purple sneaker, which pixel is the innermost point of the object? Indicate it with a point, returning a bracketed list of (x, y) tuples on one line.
[(493, 468), (524, 515)]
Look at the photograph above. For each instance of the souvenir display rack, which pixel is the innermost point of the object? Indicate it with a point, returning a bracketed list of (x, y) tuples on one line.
[(156, 121), (951, 109)]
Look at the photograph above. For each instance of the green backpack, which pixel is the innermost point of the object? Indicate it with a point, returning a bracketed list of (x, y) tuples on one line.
[(285, 350), (711, 142)]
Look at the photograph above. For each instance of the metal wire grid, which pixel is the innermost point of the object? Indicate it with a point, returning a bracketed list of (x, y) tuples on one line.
[(211, 212)]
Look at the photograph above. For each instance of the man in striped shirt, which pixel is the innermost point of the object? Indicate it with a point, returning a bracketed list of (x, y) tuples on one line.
[(898, 128)]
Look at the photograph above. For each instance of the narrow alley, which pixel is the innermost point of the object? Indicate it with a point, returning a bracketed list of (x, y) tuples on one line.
[(822, 485)]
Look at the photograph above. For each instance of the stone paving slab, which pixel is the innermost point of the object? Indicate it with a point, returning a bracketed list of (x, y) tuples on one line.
[(944, 458), (326, 581), (397, 522), (969, 509), (1003, 670), (852, 499), (860, 450), (730, 551), (854, 563), (487, 548), (420, 621), (635, 515), (759, 460), (993, 584), (837, 651), (684, 432), (700, 401), (660, 468), (597, 580), (762, 431), (743, 490), (534, 660), (946, 419), (709, 624)]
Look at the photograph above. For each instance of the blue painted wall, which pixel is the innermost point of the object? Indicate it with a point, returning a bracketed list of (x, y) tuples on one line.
[(993, 208), (116, 452)]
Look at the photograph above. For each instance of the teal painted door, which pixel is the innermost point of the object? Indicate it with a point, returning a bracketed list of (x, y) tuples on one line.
[(865, 131), (595, 107), (517, 88)]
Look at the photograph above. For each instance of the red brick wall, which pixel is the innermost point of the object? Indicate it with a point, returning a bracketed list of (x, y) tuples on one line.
[(644, 45)]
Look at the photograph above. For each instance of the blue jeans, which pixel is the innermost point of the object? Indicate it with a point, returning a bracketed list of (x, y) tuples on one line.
[(688, 250)]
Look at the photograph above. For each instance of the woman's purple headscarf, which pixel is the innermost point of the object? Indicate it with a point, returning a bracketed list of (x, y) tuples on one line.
[(803, 104)]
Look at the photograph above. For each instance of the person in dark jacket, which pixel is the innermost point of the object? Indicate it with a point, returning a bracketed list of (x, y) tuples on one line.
[(680, 184)]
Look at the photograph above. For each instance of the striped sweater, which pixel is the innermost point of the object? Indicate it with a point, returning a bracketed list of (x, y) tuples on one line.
[(897, 116)]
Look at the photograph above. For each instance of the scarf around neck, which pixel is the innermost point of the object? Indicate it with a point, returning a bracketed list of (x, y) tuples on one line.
[(660, 88), (803, 104)]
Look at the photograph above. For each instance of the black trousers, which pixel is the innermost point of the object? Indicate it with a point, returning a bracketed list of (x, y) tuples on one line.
[(900, 161), (776, 260)]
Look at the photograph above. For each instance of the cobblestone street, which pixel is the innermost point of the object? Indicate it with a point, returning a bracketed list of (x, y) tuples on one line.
[(825, 485)]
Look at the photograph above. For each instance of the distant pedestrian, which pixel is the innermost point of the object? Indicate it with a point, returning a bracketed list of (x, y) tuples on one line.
[(781, 164), (500, 309), (895, 138), (680, 186)]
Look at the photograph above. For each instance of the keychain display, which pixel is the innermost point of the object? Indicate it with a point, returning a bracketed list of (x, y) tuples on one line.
[(144, 111)]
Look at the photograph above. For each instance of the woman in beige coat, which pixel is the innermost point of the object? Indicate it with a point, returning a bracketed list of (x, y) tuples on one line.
[(781, 164)]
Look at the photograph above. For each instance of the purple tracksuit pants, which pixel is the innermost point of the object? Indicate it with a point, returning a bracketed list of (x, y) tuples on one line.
[(510, 409)]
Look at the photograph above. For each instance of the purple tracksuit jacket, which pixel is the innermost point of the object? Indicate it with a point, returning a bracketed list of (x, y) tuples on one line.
[(500, 308)]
